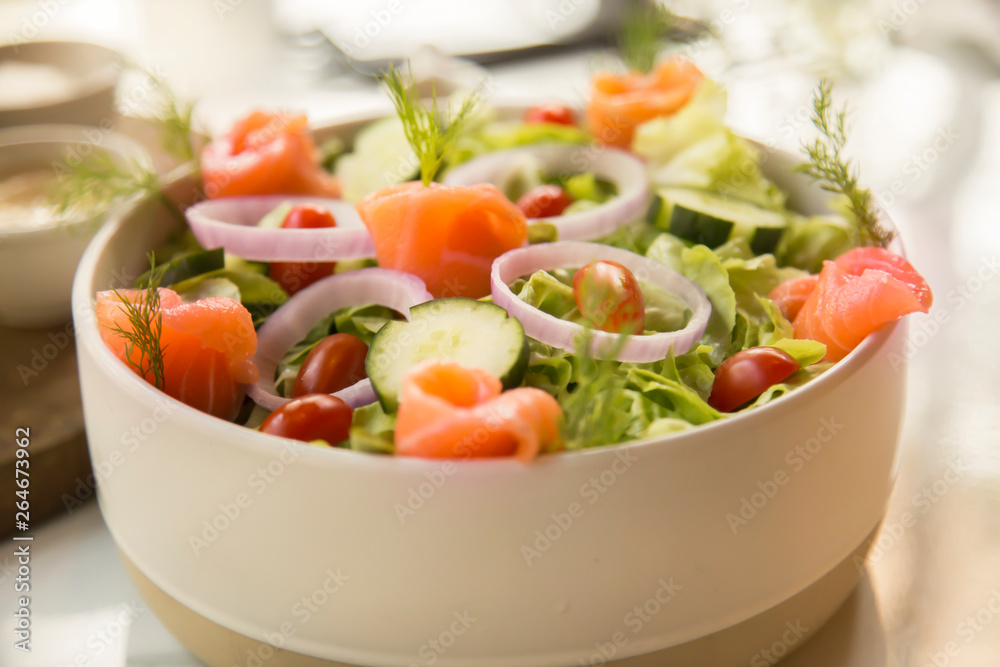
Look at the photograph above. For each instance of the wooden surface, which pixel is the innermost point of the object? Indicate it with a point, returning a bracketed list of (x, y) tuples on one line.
[(40, 390)]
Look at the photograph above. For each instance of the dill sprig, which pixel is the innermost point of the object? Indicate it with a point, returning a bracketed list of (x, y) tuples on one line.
[(99, 181), (145, 329), (174, 118), (430, 142), (835, 173), (645, 24), (591, 417)]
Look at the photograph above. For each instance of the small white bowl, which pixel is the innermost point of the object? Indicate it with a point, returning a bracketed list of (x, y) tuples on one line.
[(701, 548), (93, 69), (37, 263)]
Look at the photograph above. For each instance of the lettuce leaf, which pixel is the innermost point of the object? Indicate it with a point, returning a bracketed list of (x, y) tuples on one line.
[(809, 241), (755, 276), (703, 267), (489, 136), (372, 430), (362, 321), (794, 381), (635, 237), (694, 148), (679, 400), (548, 293), (252, 288), (806, 352)]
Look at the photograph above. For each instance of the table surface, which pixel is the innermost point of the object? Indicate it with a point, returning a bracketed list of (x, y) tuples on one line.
[(928, 142)]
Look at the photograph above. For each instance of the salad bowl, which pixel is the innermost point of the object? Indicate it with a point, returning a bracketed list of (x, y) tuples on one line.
[(723, 545)]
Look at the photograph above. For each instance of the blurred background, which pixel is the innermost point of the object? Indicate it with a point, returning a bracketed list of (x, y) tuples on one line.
[(923, 79)]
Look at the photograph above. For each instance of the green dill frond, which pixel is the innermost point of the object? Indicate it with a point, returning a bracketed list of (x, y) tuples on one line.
[(145, 329), (591, 416), (835, 173), (173, 118), (99, 181), (645, 24), (431, 142)]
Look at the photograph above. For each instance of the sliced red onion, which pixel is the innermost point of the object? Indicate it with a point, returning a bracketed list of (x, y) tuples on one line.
[(292, 321), (231, 223), (565, 335), (626, 171)]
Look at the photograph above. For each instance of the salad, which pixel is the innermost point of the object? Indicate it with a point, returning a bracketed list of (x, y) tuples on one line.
[(461, 285)]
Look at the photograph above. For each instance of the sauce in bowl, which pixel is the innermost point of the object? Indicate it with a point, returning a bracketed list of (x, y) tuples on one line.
[(24, 201)]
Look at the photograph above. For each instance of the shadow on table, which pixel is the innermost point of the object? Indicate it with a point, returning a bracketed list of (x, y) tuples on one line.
[(854, 637)]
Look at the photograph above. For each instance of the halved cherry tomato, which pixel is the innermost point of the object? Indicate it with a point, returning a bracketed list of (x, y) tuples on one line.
[(609, 296), (294, 276), (550, 113), (337, 362), (747, 374), (544, 201), (308, 216), (312, 417)]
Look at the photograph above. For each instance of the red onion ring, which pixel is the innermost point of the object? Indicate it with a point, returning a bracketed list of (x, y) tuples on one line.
[(563, 334), (231, 223), (625, 170), (291, 322)]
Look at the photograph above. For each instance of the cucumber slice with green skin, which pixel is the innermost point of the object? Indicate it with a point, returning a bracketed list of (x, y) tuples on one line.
[(185, 267), (711, 219), (470, 332)]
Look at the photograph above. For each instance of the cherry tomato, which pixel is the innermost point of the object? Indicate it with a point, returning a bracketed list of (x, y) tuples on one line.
[(308, 216), (312, 417), (337, 362), (747, 374), (609, 296), (544, 201), (294, 276), (550, 113)]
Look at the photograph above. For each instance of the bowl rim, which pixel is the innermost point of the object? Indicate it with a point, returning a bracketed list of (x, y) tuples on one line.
[(65, 135), (101, 78), (221, 431)]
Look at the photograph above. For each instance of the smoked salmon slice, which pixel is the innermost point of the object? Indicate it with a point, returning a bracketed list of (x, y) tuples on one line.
[(845, 307), (207, 347), (621, 102), (449, 411), (857, 260), (791, 295), (266, 154), (447, 235)]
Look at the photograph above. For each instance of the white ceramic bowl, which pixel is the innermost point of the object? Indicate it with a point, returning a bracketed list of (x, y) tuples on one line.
[(243, 542), (94, 70), (37, 263)]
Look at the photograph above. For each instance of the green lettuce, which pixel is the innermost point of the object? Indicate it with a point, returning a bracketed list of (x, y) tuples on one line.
[(809, 241), (794, 381), (362, 321), (805, 352), (490, 136), (372, 430), (552, 293), (733, 279), (251, 287), (694, 148)]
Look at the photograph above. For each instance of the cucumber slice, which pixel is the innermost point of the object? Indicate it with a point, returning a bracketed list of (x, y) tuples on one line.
[(185, 267), (711, 219), (470, 332)]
